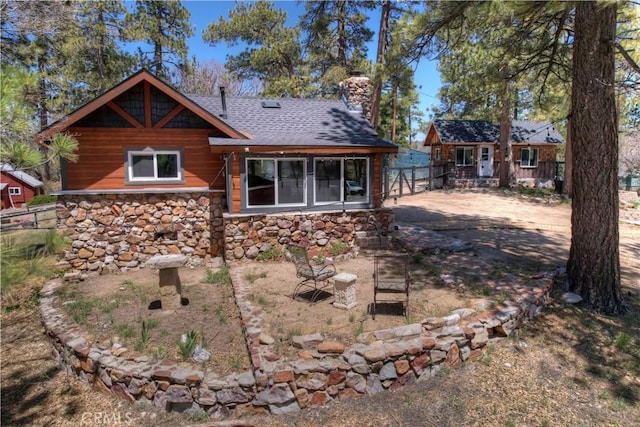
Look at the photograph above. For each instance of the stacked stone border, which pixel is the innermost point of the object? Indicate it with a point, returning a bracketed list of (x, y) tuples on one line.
[(324, 371)]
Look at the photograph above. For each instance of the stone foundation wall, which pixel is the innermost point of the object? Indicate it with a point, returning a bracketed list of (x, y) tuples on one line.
[(324, 371), (324, 233), (122, 231)]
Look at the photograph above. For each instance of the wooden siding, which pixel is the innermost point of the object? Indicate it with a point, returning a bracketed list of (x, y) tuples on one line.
[(236, 184), (101, 157), (377, 180), (545, 152), (432, 137)]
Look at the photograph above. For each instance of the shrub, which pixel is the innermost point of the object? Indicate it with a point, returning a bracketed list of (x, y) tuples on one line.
[(338, 248), (42, 199), (271, 254)]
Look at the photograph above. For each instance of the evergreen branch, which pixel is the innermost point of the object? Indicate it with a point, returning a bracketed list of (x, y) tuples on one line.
[(627, 57)]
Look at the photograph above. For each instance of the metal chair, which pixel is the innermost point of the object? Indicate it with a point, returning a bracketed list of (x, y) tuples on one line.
[(315, 277), (391, 276)]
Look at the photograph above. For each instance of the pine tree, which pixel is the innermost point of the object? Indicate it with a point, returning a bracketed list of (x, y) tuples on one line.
[(593, 269), (93, 48), (273, 54), (336, 41), (164, 26)]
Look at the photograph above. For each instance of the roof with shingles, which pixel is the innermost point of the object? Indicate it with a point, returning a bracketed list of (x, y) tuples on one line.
[(479, 131), (298, 122)]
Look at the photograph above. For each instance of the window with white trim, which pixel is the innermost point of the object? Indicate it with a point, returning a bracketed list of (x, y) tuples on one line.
[(154, 166), (464, 156), (15, 191), (337, 180), (529, 157), (276, 182)]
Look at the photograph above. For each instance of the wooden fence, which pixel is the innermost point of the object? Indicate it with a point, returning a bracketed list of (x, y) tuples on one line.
[(31, 218)]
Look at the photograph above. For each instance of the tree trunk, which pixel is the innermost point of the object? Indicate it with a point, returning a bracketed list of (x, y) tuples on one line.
[(593, 268), (567, 183), (342, 35), (43, 117), (395, 112), (507, 173), (382, 47)]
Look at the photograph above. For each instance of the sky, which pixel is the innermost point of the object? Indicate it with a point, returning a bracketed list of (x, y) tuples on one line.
[(203, 12)]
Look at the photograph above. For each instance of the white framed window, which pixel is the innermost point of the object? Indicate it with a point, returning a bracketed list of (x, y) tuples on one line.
[(529, 157), (15, 191), (337, 180), (154, 166), (276, 182), (464, 156)]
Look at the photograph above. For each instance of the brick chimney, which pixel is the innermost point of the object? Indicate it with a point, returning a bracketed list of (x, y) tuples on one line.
[(356, 91)]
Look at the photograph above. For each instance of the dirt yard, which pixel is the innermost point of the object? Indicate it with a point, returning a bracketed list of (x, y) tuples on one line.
[(567, 368), (115, 308)]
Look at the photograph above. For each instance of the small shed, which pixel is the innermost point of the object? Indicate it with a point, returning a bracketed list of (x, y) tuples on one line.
[(17, 188)]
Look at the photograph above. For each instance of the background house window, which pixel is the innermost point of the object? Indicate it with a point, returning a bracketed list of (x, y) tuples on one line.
[(529, 157), (154, 166), (464, 156), (437, 154), (338, 180), (273, 182), (15, 191)]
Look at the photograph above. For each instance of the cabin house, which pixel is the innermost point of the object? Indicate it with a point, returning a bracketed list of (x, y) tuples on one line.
[(161, 172), (464, 152), (17, 188)]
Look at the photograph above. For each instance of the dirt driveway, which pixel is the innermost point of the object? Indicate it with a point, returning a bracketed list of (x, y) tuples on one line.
[(504, 226)]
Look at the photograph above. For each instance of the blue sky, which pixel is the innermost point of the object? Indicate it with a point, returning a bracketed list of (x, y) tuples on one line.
[(204, 12)]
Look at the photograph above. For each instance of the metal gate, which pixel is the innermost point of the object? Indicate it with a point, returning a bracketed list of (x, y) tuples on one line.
[(398, 182)]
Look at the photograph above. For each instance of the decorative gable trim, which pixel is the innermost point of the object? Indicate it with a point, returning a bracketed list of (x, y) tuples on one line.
[(148, 80)]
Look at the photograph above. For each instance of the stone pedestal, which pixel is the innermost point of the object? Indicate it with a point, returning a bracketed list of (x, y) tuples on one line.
[(344, 290), (170, 287)]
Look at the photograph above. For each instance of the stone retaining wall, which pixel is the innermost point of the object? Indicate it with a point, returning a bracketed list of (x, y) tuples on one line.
[(324, 371), (122, 231), (323, 233)]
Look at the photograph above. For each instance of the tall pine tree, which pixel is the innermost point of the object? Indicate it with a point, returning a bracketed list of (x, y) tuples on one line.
[(164, 26), (273, 53)]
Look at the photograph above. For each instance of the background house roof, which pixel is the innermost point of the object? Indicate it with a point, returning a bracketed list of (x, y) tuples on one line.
[(477, 131), (297, 122), (22, 176)]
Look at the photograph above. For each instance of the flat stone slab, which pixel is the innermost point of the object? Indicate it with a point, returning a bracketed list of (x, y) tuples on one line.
[(166, 261), (417, 239)]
